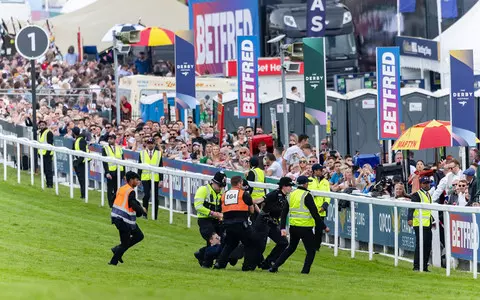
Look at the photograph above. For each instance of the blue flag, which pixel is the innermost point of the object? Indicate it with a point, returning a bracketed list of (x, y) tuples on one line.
[(407, 6), (449, 9)]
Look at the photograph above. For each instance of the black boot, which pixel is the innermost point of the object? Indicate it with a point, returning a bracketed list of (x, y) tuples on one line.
[(114, 249)]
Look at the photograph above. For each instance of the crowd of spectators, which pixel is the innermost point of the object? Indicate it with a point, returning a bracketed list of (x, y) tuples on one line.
[(80, 95)]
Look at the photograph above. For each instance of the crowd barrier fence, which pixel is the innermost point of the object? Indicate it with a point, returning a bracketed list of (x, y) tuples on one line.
[(389, 215)]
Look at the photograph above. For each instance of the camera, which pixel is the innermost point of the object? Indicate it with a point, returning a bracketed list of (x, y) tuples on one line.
[(383, 186)]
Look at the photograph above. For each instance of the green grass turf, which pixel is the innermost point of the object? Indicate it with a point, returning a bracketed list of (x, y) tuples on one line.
[(58, 248)]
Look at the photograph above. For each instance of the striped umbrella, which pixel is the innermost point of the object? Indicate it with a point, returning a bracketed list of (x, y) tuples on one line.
[(156, 36), (428, 135)]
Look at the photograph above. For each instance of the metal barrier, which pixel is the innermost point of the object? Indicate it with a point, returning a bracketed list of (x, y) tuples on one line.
[(47, 92), (470, 236)]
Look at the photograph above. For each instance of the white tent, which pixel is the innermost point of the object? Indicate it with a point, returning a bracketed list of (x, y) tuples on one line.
[(461, 35), (97, 18)]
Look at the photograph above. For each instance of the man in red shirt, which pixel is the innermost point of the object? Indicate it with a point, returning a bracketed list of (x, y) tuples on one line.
[(126, 109)]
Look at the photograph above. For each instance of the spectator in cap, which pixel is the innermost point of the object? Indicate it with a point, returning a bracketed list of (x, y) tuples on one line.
[(153, 157), (472, 183), (255, 174)]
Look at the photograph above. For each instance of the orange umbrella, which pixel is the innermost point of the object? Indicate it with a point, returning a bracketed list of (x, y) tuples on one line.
[(156, 36), (427, 135)]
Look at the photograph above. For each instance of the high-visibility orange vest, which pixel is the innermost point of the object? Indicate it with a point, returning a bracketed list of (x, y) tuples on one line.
[(121, 209), (232, 200)]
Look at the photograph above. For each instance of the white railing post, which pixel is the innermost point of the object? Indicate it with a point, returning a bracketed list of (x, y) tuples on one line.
[(32, 166), (55, 171), (474, 246), (352, 233), (70, 163), (370, 231), (448, 249), (170, 191), (4, 160), (86, 179), (395, 224), (19, 163), (420, 239), (42, 172), (189, 202), (102, 187), (335, 242), (119, 177), (152, 193)]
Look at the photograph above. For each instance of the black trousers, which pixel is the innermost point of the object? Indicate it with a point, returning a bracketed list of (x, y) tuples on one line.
[(48, 169), (427, 247), (319, 235), (112, 187), (207, 226), (128, 238), (234, 234), (308, 238), (147, 194), (266, 228), (80, 171)]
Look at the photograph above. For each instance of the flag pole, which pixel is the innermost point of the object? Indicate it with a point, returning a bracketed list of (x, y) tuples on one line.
[(398, 19)]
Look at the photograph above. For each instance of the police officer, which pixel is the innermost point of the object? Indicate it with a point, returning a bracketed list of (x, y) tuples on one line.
[(79, 162), (153, 157), (303, 216), (237, 205), (46, 137), (113, 151), (267, 223), (256, 175), (422, 196), (319, 183), (207, 203), (124, 215)]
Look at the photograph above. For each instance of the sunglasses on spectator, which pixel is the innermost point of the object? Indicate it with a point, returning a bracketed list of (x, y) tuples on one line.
[(312, 162), (108, 127), (248, 131), (243, 152), (323, 143), (142, 134), (303, 161), (463, 185), (454, 184), (190, 122)]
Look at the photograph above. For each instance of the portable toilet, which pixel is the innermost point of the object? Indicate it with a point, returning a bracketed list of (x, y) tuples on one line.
[(151, 106)]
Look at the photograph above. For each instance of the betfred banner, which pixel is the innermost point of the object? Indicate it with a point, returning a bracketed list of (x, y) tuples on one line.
[(389, 108), (316, 18), (185, 69), (266, 67), (216, 25), (315, 80), (462, 100), (463, 235), (247, 70)]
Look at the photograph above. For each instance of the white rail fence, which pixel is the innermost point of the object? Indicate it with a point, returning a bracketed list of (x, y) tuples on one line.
[(472, 234)]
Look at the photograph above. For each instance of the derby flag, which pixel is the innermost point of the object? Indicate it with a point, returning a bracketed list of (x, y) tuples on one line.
[(247, 76), (315, 80), (389, 107), (462, 101), (185, 69)]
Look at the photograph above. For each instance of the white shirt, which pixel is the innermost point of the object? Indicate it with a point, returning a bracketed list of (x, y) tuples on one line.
[(445, 184), (276, 169), (293, 154)]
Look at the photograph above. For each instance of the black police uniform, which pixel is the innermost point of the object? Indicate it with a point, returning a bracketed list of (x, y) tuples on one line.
[(267, 225), (48, 160), (79, 165)]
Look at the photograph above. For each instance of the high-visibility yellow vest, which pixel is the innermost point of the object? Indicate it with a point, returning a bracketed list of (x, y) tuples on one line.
[(152, 161), (320, 185), (425, 213), (118, 154), (43, 140), (259, 177), (206, 200), (77, 147), (299, 214)]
